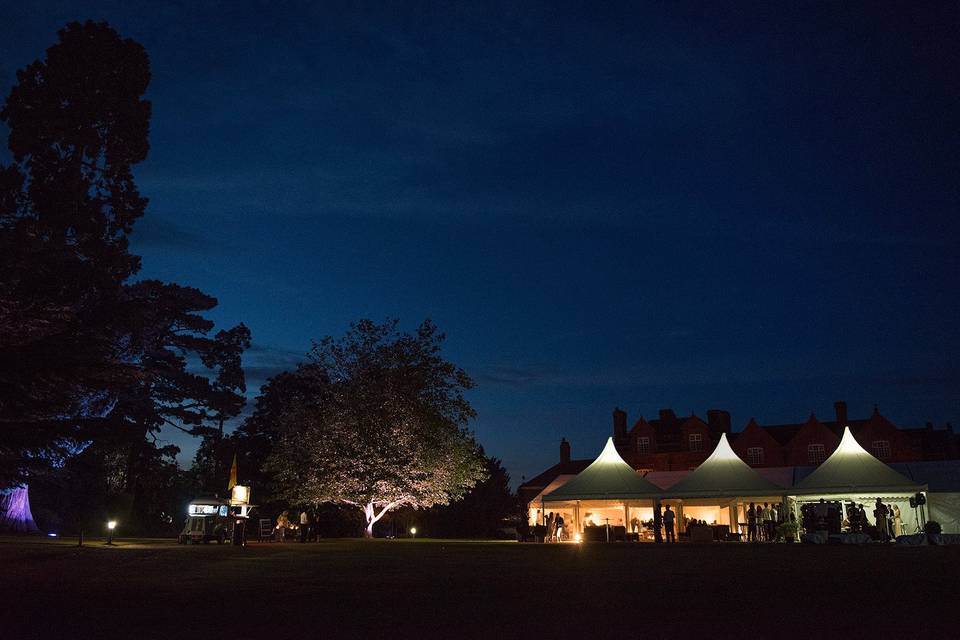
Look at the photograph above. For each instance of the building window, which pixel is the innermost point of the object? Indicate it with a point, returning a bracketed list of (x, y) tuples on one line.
[(696, 442), (643, 445), (754, 455), (881, 449), (816, 453)]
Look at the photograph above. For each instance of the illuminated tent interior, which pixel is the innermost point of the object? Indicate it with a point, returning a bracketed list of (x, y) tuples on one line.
[(852, 474), (608, 492), (719, 491)]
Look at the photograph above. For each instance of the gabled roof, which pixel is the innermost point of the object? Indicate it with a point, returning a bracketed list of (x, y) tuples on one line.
[(723, 474), (851, 468), (607, 478), (543, 479)]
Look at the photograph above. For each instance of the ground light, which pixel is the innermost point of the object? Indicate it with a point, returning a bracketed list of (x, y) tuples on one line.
[(111, 525), (577, 537), (413, 532)]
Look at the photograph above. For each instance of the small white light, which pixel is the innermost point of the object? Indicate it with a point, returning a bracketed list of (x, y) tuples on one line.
[(112, 525), (413, 531), (52, 535)]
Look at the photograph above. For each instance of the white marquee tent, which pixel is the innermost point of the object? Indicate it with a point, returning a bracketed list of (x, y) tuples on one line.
[(608, 492), (851, 470), (719, 491)]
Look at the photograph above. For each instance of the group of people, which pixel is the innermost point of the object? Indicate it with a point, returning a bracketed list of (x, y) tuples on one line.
[(304, 524), (762, 521), (888, 518), (555, 531), (829, 517)]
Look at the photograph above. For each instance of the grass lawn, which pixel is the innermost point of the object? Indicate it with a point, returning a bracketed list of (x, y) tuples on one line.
[(454, 589)]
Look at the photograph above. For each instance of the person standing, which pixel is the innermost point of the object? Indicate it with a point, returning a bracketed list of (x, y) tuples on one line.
[(897, 522), (880, 513), (283, 522), (304, 525), (668, 518), (559, 529), (752, 523), (768, 522), (761, 532)]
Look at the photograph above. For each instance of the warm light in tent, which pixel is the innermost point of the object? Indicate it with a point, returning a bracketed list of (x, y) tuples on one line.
[(577, 537)]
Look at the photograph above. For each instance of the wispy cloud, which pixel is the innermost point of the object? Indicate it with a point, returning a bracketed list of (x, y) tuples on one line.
[(156, 232)]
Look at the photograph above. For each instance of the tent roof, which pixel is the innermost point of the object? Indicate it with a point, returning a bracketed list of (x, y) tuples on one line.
[(607, 478), (852, 468), (723, 474)]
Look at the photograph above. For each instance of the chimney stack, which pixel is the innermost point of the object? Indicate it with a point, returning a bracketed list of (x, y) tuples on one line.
[(619, 424), (564, 451), (667, 417), (841, 408), (718, 421)]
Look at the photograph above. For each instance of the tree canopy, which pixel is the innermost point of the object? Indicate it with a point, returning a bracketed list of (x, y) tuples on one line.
[(376, 419)]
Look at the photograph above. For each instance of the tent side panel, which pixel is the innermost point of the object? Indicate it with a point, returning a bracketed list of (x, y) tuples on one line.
[(945, 509)]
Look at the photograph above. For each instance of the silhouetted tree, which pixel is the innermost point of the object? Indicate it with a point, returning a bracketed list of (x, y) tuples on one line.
[(376, 420), (479, 514), (86, 356), (78, 123), (188, 380)]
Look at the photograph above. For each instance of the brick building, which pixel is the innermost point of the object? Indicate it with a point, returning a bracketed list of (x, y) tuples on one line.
[(673, 443)]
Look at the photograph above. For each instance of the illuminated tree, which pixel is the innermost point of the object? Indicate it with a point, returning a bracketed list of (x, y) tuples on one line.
[(376, 420)]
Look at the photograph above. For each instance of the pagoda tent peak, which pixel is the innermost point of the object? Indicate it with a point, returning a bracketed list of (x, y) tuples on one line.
[(608, 477), (724, 474), (852, 469)]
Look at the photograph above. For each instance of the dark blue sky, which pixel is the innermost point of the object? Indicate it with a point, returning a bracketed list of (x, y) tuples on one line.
[(752, 208)]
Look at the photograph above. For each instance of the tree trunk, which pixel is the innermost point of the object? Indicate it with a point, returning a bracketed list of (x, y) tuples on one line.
[(370, 512)]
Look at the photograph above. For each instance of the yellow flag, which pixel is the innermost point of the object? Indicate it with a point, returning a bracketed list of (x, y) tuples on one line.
[(233, 473)]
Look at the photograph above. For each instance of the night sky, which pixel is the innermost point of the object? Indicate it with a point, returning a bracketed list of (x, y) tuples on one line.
[(751, 208)]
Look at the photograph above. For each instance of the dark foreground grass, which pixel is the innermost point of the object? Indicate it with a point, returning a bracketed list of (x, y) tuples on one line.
[(428, 589)]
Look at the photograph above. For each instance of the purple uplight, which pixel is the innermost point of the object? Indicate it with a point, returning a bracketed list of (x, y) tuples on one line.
[(15, 511)]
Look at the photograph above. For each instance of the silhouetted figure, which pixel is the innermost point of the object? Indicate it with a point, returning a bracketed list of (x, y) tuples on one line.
[(769, 522), (668, 518), (559, 528), (880, 512), (752, 523)]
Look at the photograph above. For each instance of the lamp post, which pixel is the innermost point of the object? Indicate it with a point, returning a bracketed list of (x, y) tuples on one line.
[(111, 525), (413, 532)]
